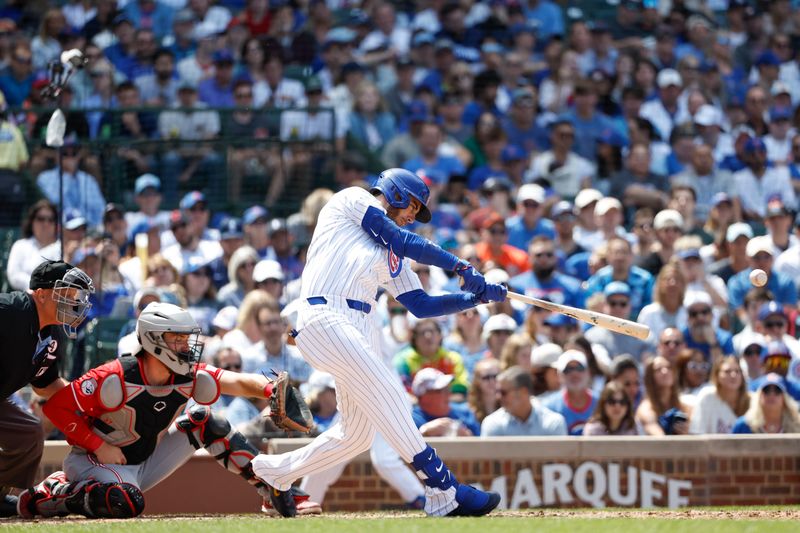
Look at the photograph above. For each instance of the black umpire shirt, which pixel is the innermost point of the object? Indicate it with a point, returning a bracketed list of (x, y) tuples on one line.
[(26, 354)]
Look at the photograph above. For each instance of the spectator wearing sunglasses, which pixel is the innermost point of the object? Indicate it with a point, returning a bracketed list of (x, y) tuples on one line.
[(773, 324), (701, 334), (544, 280), (618, 304), (575, 402), (493, 247), (693, 374), (670, 344), (777, 359), (772, 409), (227, 359), (614, 414), (482, 394)]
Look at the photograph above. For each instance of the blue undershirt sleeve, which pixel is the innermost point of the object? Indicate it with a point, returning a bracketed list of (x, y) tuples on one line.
[(423, 305), (405, 243)]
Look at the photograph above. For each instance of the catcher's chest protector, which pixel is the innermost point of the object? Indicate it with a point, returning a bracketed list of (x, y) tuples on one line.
[(148, 412)]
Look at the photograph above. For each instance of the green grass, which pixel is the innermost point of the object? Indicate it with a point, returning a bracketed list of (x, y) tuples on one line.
[(577, 521)]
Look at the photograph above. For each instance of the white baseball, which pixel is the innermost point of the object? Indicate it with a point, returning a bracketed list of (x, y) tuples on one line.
[(758, 277)]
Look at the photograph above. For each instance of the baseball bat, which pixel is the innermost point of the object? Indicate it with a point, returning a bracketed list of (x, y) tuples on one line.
[(618, 325)]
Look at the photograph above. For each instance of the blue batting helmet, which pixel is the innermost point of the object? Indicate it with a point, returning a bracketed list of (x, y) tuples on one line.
[(399, 186)]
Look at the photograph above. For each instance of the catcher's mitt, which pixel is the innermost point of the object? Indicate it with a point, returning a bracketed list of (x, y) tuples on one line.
[(287, 408)]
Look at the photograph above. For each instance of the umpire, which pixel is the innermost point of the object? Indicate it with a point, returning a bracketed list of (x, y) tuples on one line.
[(58, 296)]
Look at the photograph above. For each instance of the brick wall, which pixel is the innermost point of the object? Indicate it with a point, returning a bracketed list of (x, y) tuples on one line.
[(596, 471)]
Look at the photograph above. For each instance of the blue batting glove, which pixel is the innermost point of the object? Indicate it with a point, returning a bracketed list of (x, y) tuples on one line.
[(473, 280), (493, 293)]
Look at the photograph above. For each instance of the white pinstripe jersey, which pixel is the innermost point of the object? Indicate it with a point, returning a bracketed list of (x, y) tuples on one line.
[(343, 260)]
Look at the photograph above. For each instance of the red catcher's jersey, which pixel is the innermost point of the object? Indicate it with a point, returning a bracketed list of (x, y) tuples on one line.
[(139, 413)]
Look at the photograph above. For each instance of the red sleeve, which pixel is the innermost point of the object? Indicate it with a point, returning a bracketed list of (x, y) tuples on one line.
[(72, 408)]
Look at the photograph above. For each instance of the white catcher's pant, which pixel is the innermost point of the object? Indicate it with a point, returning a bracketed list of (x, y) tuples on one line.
[(344, 342)]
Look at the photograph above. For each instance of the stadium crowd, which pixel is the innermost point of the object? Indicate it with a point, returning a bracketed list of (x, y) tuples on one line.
[(640, 164)]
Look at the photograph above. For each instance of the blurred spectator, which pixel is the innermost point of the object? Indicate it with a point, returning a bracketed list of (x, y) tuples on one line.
[(39, 230), (200, 294), (586, 232), (771, 410), (434, 414), (122, 53), (516, 351), (543, 280), (618, 304), (276, 90), (563, 169), (668, 226), (544, 359), (147, 195), (269, 277), (778, 221), (700, 332), (437, 166), (150, 14), (703, 176), (240, 276), (272, 352), (217, 91), (621, 268), (17, 78), (625, 371), (195, 163), (588, 121), (671, 343), (188, 246), (45, 46), (737, 236), (559, 328), (522, 124), (493, 247), (530, 221), (210, 19), (773, 323), (321, 394), (758, 182), (482, 395), (597, 360), (662, 110), (575, 402), (247, 332), (661, 396), (129, 342), (496, 331), (467, 339), (760, 253), (717, 407), (613, 415), (693, 372), (520, 414), (426, 351), (370, 125), (637, 185), (690, 263), (81, 190)]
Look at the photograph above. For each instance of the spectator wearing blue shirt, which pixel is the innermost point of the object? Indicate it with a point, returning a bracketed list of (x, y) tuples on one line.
[(484, 94), (575, 401), (544, 281), (700, 332), (760, 254), (183, 44), (588, 121), (529, 223), (548, 16), (776, 359), (492, 147), (621, 268), (438, 167), (794, 166), (17, 79), (150, 14), (434, 414), (217, 91), (522, 125), (618, 304), (122, 53), (772, 410)]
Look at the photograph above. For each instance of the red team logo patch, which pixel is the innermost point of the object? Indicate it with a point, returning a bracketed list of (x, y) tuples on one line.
[(395, 263)]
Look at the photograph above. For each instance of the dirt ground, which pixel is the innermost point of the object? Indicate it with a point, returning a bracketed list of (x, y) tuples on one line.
[(684, 514)]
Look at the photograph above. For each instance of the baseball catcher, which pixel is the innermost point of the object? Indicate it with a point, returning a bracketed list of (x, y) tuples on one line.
[(129, 426)]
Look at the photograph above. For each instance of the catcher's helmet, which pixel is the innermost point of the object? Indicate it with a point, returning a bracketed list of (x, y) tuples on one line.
[(399, 186), (159, 318)]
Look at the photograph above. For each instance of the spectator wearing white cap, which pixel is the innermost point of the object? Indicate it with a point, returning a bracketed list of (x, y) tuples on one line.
[(662, 110), (737, 236), (618, 304), (706, 179), (709, 123), (496, 331), (668, 226), (700, 332), (690, 262), (778, 221), (434, 414), (529, 222), (147, 196), (610, 216), (781, 133), (521, 414), (543, 369), (575, 402), (586, 232), (760, 253), (566, 171), (268, 276)]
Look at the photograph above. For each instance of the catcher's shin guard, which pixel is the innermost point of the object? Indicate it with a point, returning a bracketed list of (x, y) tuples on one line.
[(56, 496), (206, 429)]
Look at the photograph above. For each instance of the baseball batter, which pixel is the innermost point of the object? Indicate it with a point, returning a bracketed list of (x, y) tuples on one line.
[(358, 246)]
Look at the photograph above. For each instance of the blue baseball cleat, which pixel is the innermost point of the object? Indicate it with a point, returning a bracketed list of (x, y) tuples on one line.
[(474, 502)]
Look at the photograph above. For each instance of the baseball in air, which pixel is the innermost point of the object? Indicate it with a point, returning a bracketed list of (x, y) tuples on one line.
[(758, 277)]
